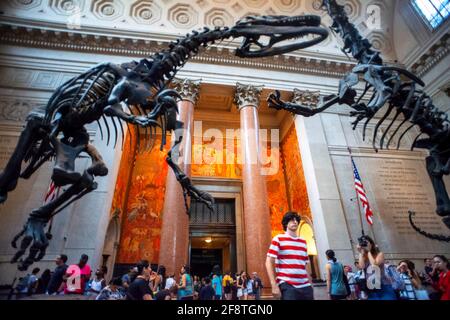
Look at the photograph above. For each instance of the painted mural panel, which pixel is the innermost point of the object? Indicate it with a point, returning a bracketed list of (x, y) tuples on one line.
[(276, 189), (141, 230), (216, 157), (126, 165)]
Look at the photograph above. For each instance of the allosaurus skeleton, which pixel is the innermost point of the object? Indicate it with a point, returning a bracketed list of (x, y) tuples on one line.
[(401, 91), (106, 90)]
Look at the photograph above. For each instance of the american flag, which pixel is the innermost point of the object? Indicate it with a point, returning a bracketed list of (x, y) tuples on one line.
[(362, 194)]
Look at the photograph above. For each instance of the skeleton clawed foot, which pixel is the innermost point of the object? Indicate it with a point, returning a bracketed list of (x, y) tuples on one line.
[(275, 102), (33, 234), (165, 101), (144, 121), (199, 195), (362, 112)]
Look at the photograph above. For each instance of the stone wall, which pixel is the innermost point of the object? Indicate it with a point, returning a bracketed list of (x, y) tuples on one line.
[(395, 181)]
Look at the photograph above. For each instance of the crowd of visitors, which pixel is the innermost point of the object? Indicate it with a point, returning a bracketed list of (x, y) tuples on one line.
[(372, 277), (141, 282)]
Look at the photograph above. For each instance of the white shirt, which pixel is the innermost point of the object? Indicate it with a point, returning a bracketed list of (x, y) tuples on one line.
[(169, 283)]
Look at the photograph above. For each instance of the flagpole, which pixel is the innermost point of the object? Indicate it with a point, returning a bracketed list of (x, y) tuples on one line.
[(357, 196), (348, 227), (360, 214)]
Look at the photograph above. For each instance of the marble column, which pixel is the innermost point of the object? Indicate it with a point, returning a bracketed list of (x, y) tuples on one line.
[(256, 209), (175, 222)]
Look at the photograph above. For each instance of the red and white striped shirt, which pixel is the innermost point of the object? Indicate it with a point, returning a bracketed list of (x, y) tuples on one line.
[(291, 258)]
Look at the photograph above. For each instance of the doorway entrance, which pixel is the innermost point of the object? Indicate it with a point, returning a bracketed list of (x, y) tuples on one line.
[(203, 260), (212, 238)]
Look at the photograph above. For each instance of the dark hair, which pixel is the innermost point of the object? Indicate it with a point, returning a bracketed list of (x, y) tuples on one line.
[(104, 269), (207, 280), (330, 255), (35, 270), (162, 294), (443, 258), (288, 216), (117, 281), (162, 270), (173, 290), (216, 270), (84, 257), (46, 274), (63, 257), (143, 264), (187, 269), (411, 265), (374, 249)]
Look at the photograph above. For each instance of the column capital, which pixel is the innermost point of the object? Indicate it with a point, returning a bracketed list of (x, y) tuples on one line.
[(306, 98), (247, 94), (187, 88)]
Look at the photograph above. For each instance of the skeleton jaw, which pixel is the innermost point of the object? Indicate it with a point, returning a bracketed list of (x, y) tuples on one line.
[(273, 35)]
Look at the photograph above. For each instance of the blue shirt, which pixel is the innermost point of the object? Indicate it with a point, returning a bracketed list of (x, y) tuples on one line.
[(217, 281), (337, 281)]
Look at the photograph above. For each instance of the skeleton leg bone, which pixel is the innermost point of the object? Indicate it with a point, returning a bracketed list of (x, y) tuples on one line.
[(64, 171), (33, 232)]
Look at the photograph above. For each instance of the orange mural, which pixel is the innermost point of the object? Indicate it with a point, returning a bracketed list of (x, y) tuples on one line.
[(141, 230), (216, 158), (276, 189), (295, 179), (126, 165)]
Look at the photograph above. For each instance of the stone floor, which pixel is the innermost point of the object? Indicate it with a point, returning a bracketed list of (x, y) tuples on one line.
[(319, 294)]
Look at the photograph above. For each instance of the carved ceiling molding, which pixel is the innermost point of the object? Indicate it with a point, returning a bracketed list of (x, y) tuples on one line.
[(116, 45), (432, 56)]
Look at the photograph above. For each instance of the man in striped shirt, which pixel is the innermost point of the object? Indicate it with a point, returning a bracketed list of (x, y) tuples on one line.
[(286, 262)]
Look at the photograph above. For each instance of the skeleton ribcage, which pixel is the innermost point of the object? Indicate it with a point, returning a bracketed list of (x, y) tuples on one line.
[(80, 94)]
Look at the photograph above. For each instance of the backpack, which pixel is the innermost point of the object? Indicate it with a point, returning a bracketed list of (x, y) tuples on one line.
[(257, 285), (227, 288), (396, 280)]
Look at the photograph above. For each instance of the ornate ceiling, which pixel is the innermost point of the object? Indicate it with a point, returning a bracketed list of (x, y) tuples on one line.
[(163, 20)]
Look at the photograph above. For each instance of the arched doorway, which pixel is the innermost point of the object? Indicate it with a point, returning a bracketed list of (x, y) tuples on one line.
[(306, 231), (110, 246)]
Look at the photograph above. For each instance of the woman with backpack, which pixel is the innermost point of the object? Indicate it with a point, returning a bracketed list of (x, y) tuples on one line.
[(227, 284), (336, 284), (186, 286), (159, 280), (242, 282), (371, 261)]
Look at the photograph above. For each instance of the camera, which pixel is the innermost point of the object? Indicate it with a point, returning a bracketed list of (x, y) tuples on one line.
[(362, 241)]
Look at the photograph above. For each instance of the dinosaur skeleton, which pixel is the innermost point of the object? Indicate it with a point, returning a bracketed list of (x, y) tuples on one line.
[(401, 91), (106, 90)]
